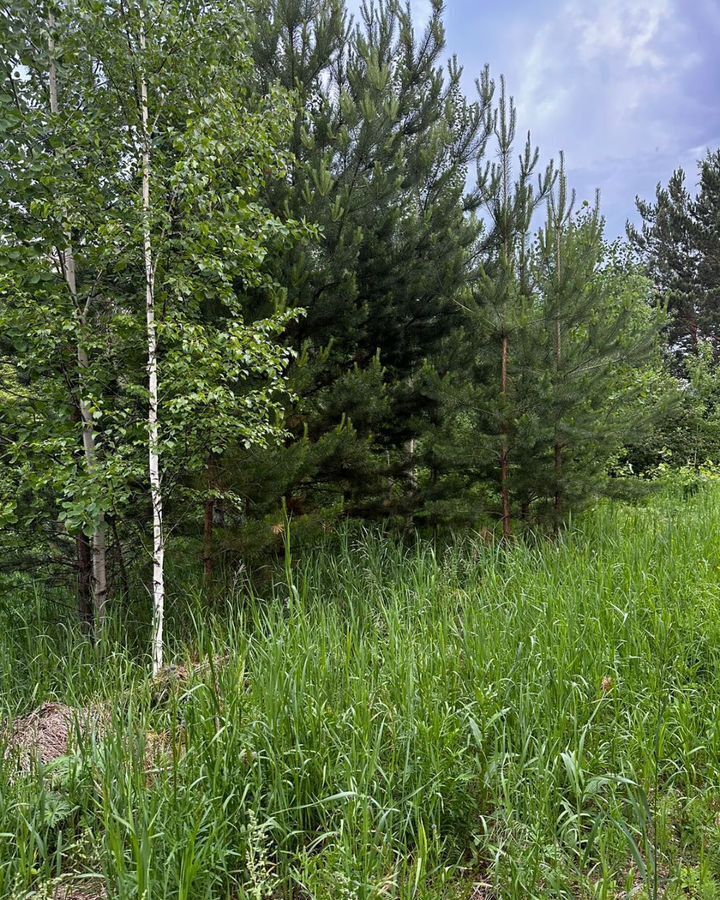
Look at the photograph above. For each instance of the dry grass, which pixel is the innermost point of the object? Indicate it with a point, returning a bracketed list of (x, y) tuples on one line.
[(89, 889), (48, 732)]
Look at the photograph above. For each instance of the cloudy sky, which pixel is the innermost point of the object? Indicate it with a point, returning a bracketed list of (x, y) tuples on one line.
[(629, 89)]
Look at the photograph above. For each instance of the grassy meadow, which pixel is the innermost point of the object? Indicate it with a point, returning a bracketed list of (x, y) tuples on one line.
[(386, 719)]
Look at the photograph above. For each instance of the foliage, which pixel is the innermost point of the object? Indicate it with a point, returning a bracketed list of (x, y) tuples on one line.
[(355, 319), (73, 180), (383, 142), (678, 242), (684, 426), (583, 360)]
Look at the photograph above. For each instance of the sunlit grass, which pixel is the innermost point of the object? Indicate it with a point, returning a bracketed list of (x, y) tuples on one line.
[(395, 720)]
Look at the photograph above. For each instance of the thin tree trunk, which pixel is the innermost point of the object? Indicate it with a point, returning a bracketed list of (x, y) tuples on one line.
[(505, 352), (209, 524), (84, 582), (121, 558), (693, 328), (558, 442), (412, 470), (67, 263), (558, 482), (158, 555), (208, 558), (505, 447), (558, 362), (99, 538)]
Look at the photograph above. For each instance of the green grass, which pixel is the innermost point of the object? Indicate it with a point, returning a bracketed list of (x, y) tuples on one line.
[(400, 721)]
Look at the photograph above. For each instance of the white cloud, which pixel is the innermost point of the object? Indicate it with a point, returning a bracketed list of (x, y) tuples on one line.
[(602, 79), (609, 57), (627, 88), (615, 84), (628, 30)]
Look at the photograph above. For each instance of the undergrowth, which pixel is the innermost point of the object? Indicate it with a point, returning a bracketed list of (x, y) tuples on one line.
[(394, 720)]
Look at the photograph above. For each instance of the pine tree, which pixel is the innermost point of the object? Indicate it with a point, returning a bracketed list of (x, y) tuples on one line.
[(706, 212), (484, 421), (550, 374), (677, 242), (597, 338), (383, 141)]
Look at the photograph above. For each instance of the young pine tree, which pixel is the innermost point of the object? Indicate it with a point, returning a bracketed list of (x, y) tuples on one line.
[(383, 139), (598, 336), (487, 414)]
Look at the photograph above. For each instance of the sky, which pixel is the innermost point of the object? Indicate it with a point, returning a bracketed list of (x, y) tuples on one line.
[(628, 89)]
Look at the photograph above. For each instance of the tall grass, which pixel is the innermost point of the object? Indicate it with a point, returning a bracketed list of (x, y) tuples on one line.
[(395, 720)]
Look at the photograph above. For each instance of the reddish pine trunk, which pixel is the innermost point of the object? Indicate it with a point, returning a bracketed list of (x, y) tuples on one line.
[(558, 445), (558, 478), (505, 451), (558, 362)]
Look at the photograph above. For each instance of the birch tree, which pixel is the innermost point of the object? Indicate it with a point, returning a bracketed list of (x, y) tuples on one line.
[(203, 156), (182, 152), (158, 538), (55, 201), (66, 265)]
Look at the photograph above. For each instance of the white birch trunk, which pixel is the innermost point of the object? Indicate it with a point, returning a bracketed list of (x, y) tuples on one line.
[(67, 263), (158, 556)]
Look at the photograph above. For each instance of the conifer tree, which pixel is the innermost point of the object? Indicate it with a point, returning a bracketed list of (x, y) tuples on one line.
[(572, 318), (597, 338), (383, 141), (560, 208), (486, 404), (677, 243)]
